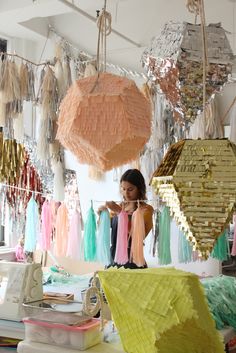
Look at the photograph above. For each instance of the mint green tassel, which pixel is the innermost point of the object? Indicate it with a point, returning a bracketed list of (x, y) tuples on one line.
[(221, 296), (90, 236), (185, 249), (164, 253), (221, 248)]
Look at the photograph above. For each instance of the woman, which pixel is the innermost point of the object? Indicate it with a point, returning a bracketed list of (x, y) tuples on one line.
[(133, 188)]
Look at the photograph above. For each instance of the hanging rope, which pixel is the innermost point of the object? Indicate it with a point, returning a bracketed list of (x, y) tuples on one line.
[(197, 7), (104, 29)]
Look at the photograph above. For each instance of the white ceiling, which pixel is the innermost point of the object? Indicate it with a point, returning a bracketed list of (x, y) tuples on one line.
[(138, 20)]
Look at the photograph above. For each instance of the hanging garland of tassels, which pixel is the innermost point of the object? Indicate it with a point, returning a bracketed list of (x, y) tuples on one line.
[(164, 253), (89, 241), (221, 248), (185, 249)]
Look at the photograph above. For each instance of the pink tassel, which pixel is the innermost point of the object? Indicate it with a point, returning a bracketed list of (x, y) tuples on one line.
[(233, 251), (61, 238), (121, 256), (137, 235), (46, 218), (74, 240)]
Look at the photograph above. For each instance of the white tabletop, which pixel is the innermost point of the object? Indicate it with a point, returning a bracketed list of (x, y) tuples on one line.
[(33, 347)]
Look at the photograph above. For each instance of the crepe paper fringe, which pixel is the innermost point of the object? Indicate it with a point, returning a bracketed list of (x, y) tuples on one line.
[(137, 235), (32, 226), (221, 250), (46, 226), (103, 238), (89, 241), (121, 255), (62, 227), (185, 249), (164, 253), (221, 296), (74, 238), (58, 181)]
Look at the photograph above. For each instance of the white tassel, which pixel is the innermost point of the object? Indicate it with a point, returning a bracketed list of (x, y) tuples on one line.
[(58, 181), (90, 70), (59, 74), (43, 146), (18, 126), (73, 71)]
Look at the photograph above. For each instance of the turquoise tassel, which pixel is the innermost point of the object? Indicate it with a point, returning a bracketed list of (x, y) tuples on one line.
[(32, 226), (221, 249), (185, 249), (90, 236), (221, 296), (103, 238), (164, 253)]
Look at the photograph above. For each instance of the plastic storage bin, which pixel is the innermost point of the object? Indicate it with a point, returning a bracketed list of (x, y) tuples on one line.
[(73, 337)]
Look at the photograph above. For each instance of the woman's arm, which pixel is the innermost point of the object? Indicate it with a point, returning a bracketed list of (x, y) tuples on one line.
[(113, 207), (148, 213)]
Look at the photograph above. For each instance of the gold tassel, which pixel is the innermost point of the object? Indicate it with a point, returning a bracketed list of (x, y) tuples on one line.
[(24, 81), (10, 85)]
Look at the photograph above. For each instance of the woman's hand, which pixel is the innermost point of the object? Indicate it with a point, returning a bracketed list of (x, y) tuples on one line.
[(114, 207), (102, 208)]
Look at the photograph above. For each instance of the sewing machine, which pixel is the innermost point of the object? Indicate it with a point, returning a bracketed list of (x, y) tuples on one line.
[(19, 283)]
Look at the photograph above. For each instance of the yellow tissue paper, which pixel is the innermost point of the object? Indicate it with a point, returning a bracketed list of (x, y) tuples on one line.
[(160, 310)]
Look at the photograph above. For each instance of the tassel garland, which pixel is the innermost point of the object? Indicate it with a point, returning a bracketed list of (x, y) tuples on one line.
[(137, 236), (103, 238), (74, 240), (121, 255), (89, 242), (164, 253), (32, 226)]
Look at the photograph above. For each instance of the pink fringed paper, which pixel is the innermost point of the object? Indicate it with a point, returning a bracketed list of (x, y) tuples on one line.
[(105, 121), (121, 256), (46, 229), (61, 238), (74, 239), (137, 235)]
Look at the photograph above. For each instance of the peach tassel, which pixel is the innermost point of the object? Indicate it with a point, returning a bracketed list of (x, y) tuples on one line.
[(137, 235)]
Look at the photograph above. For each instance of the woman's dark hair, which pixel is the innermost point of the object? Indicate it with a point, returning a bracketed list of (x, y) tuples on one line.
[(135, 177)]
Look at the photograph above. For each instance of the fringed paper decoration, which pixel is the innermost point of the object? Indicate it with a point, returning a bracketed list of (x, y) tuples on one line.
[(49, 101), (137, 234), (18, 125), (197, 180), (103, 238), (32, 226), (221, 248), (62, 228), (96, 174), (164, 253), (24, 81), (221, 296), (59, 74), (74, 237), (104, 120), (185, 249), (89, 241), (121, 254), (73, 71), (160, 310), (46, 226), (58, 181), (10, 83), (90, 70), (67, 73), (2, 114), (155, 233)]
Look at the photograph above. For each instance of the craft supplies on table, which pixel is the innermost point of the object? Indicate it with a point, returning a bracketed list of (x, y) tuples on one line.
[(68, 336)]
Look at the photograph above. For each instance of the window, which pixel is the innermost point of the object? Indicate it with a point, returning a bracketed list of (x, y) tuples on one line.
[(3, 45)]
